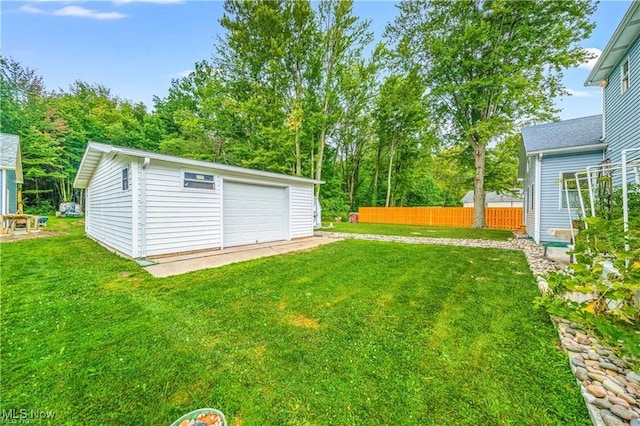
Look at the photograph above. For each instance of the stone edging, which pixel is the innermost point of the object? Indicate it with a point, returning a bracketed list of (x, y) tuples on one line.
[(611, 391)]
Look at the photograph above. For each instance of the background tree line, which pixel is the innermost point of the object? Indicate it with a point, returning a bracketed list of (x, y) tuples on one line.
[(297, 87)]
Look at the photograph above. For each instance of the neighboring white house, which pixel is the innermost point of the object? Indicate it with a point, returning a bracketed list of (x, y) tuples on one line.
[(10, 173), (144, 204), (493, 199)]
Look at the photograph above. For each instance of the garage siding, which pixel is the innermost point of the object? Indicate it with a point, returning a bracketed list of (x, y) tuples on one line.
[(179, 219), (301, 205), (109, 207)]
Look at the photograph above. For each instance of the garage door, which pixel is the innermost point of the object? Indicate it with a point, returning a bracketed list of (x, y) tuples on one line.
[(253, 214)]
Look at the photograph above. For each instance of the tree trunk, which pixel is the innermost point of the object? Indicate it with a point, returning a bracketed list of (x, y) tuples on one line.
[(298, 154), (321, 142), (479, 220), (19, 196), (391, 154), (374, 195), (298, 103)]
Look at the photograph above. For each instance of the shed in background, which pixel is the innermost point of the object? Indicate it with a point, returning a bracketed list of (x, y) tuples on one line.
[(494, 199)]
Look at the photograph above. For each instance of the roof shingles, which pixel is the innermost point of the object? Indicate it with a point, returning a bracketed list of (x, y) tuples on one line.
[(567, 134)]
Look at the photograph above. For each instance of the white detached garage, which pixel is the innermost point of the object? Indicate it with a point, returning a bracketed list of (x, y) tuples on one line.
[(144, 204)]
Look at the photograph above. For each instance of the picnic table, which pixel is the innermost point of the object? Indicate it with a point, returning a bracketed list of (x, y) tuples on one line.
[(9, 221)]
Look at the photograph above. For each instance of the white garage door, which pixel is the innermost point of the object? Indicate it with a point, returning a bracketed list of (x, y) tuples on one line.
[(253, 214)]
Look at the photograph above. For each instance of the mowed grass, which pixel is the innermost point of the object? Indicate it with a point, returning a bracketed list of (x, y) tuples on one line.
[(354, 332), (419, 231)]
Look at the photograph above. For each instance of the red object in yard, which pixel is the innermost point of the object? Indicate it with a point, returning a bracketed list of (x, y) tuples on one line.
[(353, 217)]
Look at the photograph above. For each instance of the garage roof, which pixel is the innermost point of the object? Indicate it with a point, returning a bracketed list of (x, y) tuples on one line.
[(94, 152)]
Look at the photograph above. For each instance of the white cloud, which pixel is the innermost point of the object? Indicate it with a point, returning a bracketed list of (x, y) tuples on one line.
[(81, 12), (591, 62), (579, 93), (180, 74), (31, 9)]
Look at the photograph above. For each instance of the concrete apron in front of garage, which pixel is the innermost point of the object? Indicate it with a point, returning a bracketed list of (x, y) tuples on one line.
[(181, 264)]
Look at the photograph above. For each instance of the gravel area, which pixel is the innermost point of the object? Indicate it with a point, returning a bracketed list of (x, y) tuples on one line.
[(610, 389)]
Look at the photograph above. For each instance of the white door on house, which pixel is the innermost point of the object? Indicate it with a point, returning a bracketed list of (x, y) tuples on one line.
[(253, 213)]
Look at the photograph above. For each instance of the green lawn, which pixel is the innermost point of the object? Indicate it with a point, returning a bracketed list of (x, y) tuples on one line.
[(355, 332), (419, 231)]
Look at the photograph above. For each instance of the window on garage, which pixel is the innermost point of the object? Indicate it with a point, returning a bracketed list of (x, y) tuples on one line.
[(125, 179), (198, 181)]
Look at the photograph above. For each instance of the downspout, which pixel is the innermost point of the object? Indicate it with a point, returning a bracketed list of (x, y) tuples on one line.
[(135, 207), (143, 208), (604, 125), (537, 191)]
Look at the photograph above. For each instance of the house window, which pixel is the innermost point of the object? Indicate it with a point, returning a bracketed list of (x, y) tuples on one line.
[(624, 75), (198, 181), (125, 179), (569, 189)]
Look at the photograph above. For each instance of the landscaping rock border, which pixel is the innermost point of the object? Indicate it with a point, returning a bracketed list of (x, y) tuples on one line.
[(610, 389)]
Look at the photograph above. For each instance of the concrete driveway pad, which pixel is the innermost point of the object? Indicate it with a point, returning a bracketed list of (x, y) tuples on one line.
[(176, 265)]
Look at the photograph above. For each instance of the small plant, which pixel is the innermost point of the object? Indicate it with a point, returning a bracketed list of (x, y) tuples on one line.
[(602, 289)]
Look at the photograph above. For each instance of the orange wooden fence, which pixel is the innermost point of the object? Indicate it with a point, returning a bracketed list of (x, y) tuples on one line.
[(458, 217)]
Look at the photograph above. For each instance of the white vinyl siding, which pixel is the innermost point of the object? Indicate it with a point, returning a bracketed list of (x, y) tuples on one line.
[(622, 111), (178, 219), (552, 216), (109, 208), (301, 210)]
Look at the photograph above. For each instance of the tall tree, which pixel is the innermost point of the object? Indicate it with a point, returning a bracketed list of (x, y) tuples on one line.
[(343, 39), (267, 59), (355, 132), (400, 118), (490, 64)]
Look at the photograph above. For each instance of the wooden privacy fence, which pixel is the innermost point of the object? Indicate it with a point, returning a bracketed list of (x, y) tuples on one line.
[(457, 217)]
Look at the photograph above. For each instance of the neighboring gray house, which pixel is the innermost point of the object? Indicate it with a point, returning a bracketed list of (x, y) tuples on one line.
[(552, 151), (10, 173), (142, 204), (493, 199)]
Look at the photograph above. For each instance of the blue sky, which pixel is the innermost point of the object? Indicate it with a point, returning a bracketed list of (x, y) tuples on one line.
[(135, 47)]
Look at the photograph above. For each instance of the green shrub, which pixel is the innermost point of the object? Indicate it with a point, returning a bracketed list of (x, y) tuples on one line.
[(607, 272), (42, 208)]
